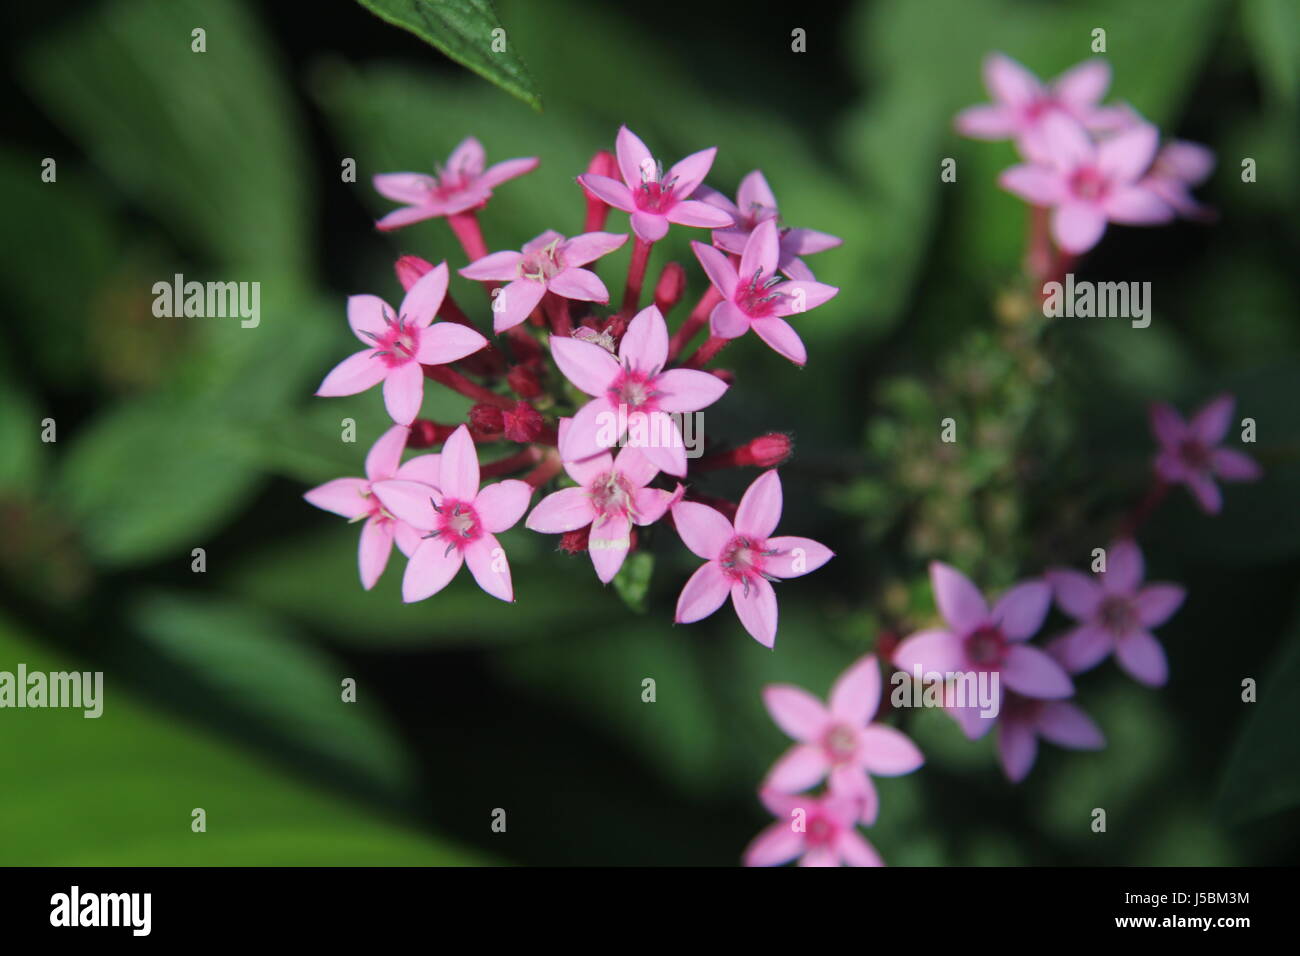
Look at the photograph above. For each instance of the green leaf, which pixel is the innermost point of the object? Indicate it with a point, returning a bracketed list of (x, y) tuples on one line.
[(633, 579), (120, 790), (464, 30)]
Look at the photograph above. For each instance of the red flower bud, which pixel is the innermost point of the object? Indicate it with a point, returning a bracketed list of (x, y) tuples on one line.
[(486, 420), (602, 164), (524, 381), (409, 269), (426, 434), (523, 423), (575, 542), (670, 287), (768, 451)]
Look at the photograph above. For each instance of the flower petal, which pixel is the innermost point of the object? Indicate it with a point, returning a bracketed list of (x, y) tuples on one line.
[(1166, 424), (761, 251), (373, 551), (1136, 206), (356, 373), (760, 506), (888, 752), (1038, 185), (1206, 492), (513, 303), (587, 430), (501, 505), (702, 529), (1021, 610), (1017, 748), (498, 173), (756, 608), (795, 556), (1078, 226), (1124, 568), (1156, 603), (801, 715), (930, 651), (408, 188), (986, 121), (342, 496), (497, 267), (703, 594), (1009, 82), (690, 172), (1065, 725), (1032, 673), (459, 466), (717, 267), (1232, 465), (591, 246), (431, 567), (634, 159), (1141, 657), (467, 158), (386, 453), (688, 390), (422, 300), (411, 502), (649, 226), (404, 392), (366, 314), (608, 545), (1128, 154), (726, 321), (585, 364), (580, 284), (781, 337), (800, 767), (855, 695), (959, 601), (777, 844), (487, 562), (692, 212), (1084, 84), (565, 510), (1077, 594), (854, 849), (645, 343), (609, 191), (798, 296), (1210, 424), (446, 342), (1082, 648)]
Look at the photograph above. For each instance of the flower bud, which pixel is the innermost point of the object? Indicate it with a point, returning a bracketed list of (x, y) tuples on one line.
[(602, 164), (425, 434), (768, 451), (485, 420), (575, 542), (670, 287), (524, 381), (523, 423), (409, 269)]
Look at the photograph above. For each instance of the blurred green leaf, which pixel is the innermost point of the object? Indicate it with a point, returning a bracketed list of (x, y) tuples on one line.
[(633, 579), (119, 790), (466, 31), (259, 667), (1272, 28), (20, 437)]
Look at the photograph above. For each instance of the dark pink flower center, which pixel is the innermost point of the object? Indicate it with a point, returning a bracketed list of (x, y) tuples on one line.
[(986, 647), (841, 744), (398, 343), (542, 264), (654, 196), (458, 524), (1195, 454), (612, 494), (821, 830), (448, 182), (1088, 184), (1021, 709), (743, 559), (756, 297), (1118, 615), (635, 390), (1039, 107)]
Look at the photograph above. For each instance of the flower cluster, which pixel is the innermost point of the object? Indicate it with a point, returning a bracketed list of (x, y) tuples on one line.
[(592, 396), (1089, 164)]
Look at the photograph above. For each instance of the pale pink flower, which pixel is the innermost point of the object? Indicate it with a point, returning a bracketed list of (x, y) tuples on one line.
[(652, 199), (1024, 719), (459, 522), (1087, 183), (756, 297), (634, 384), (397, 344), (1190, 452), (755, 203), (463, 184), (1022, 102), (816, 830), (978, 639), (549, 263), (611, 497), (1115, 613), (1178, 167), (742, 560), (839, 739), (354, 499)]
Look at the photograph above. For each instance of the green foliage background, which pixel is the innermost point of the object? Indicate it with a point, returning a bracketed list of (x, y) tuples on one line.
[(222, 688)]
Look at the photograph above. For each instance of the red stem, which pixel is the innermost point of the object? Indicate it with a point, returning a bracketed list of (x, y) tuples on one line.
[(557, 310), (635, 277), (694, 322), (711, 347), (511, 463), (446, 375), (1145, 508), (465, 226), (548, 468)]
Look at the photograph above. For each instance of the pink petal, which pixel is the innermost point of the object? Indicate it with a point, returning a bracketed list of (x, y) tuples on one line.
[(1065, 725), (754, 191), (726, 321), (459, 467), (635, 466), (888, 752), (1156, 603), (497, 267), (609, 191), (756, 609), (499, 173), (1010, 82), (431, 567), (717, 267), (424, 468), (580, 284), (804, 242), (761, 251), (513, 303), (591, 246), (691, 212), (487, 562), (1166, 424), (645, 343), (356, 373), (1039, 185), (854, 849), (1017, 748), (801, 715), (1124, 568), (373, 551), (608, 545), (1128, 154), (587, 429), (467, 158), (991, 122), (781, 337), (932, 651), (634, 159), (702, 529), (1032, 673), (408, 188), (688, 390), (1085, 84), (690, 172), (777, 844), (423, 299), (649, 226), (500, 506), (652, 504), (408, 215), (1231, 465), (1083, 648), (565, 510), (1141, 657), (801, 295), (1077, 594), (760, 506), (959, 601), (585, 364), (972, 722), (342, 496), (404, 392), (1021, 610), (1211, 423), (1078, 226), (1206, 492), (386, 453), (1136, 206), (795, 556), (855, 694), (668, 458), (703, 594), (1066, 143), (407, 538), (366, 314), (409, 501), (800, 767), (446, 342)]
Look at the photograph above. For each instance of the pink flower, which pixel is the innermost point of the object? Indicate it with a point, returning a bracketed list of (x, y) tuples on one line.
[(742, 560), (1025, 719), (839, 740), (1021, 103), (460, 522), (755, 203), (549, 263), (1115, 613), (611, 496), (459, 187), (398, 344), (979, 640), (1177, 168), (354, 499), (1088, 184), (755, 297), (1190, 453), (653, 200), (632, 394), (819, 831)]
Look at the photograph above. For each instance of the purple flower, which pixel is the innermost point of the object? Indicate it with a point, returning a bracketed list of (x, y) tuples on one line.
[(1190, 452), (463, 184)]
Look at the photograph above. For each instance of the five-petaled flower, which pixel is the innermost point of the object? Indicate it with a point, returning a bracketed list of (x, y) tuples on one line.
[(817, 830), (755, 203), (463, 184), (458, 522), (1024, 719), (978, 639), (652, 199), (756, 297), (398, 343), (611, 497), (839, 738), (549, 263), (742, 560), (632, 390), (1115, 613), (1178, 167), (354, 499), (1190, 452)]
